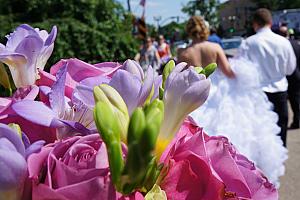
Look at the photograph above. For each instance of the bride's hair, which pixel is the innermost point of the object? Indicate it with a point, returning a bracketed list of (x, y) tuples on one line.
[(196, 28)]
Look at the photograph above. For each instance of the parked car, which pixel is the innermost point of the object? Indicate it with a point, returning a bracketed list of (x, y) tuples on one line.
[(231, 45)]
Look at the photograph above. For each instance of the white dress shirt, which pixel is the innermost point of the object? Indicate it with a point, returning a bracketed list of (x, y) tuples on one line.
[(274, 56)]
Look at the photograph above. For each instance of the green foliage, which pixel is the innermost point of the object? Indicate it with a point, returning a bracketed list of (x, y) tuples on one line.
[(277, 4), (207, 9), (91, 30), (169, 30)]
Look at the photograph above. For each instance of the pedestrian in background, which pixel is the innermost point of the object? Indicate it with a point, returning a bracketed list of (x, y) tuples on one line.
[(148, 55), (293, 80), (276, 59), (163, 49), (214, 37)]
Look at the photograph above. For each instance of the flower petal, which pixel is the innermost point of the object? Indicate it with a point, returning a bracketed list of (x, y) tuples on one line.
[(78, 70), (84, 91), (18, 68), (15, 38), (128, 86), (36, 112), (13, 137), (51, 37), (147, 86), (57, 94), (34, 148), (13, 169), (35, 44), (134, 68)]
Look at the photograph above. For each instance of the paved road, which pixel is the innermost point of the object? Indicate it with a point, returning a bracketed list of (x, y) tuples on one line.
[(290, 182)]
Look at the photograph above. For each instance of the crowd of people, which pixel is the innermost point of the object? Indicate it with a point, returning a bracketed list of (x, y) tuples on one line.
[(249, 92), (154, 53)]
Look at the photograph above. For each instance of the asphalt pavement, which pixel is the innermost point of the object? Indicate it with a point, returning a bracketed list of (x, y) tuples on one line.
[(290, 182)]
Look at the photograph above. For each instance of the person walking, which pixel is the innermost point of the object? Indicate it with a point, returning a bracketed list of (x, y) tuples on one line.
[(202, 52), (236, 107), (148, 55), (293, 80), (276, 58), (214, 37), (163, 49)]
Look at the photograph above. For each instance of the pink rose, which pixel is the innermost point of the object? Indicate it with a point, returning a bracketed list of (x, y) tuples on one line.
[(210, 168), (73, 169)]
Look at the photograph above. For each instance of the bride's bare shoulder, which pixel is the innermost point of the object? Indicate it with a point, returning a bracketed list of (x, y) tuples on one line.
[(185, 54), (211, 45)]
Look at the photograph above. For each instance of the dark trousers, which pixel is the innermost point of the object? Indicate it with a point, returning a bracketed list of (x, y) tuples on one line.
[(279, 100), (294, 97)]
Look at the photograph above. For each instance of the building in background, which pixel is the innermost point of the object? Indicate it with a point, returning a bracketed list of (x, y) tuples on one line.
[(291, 17), (235, 17)]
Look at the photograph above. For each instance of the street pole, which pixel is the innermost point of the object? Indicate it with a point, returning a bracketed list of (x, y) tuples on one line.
[(128, 5), (157, 19)]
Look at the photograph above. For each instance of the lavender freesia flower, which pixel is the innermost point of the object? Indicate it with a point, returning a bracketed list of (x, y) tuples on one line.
[(68, 116), (132, 84), (27, 51), (14, 150), (184, 92)]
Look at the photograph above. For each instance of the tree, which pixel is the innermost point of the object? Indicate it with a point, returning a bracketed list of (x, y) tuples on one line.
[(289, 4), (205, 8), (173, 30), (277, 4), (94, 30), (270, 4)]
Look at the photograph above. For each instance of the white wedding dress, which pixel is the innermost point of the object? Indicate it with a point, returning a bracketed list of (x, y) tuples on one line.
[(239, 109)]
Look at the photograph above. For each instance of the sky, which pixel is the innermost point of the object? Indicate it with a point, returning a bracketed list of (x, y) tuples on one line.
[(159, 8)]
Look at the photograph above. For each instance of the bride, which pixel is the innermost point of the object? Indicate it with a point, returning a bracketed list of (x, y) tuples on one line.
[(236, 107)]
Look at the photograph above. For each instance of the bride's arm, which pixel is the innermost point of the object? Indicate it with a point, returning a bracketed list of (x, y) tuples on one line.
[(223, 63)]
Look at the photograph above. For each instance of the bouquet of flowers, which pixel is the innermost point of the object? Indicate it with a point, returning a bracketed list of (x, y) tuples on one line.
[(110, 131)]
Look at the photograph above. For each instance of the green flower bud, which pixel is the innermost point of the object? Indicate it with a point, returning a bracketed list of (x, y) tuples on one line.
[(105, 92), (116, 163), (156, 193), (167, 70), (136, 126), (198, 69), (118, 109), (209, 69), (110, 128)]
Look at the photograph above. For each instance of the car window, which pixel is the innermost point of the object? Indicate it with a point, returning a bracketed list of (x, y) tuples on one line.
[(231, 44)]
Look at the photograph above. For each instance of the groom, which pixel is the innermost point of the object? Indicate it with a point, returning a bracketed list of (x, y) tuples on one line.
[(276, 59)]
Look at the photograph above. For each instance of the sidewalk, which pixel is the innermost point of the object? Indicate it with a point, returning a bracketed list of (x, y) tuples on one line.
[(290, 182)]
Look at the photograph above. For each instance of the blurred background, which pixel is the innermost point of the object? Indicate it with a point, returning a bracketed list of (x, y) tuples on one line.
[(114, 30), (102, 30)]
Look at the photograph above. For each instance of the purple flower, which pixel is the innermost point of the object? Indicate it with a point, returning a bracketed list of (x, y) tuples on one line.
[(14, 149), (76, 168), (8, 115), (68, 116), (132, 84), (27, 51), (184, 92)]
